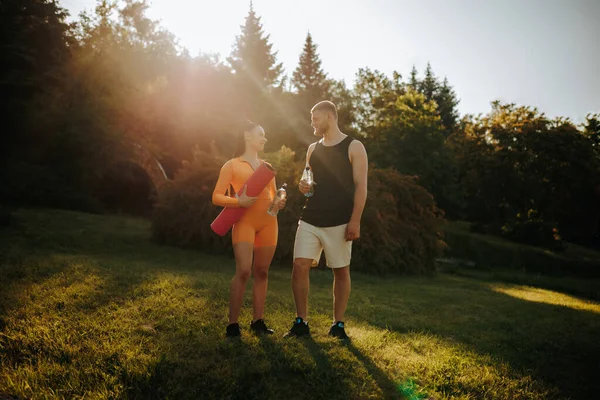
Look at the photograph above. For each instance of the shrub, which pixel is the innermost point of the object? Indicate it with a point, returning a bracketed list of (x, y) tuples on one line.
[(35, 186), (491, 252), (400, 226), (184, 210), (6, 217), (533, 230), (290, 172)]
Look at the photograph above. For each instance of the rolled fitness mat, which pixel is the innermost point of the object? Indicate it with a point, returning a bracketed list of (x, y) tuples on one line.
[(254, 185)]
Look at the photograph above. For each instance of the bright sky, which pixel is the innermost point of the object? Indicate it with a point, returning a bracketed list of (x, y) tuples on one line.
[(543, 53)]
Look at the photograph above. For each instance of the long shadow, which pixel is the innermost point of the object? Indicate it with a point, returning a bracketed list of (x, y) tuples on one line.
[(552, 343), (387, 386)]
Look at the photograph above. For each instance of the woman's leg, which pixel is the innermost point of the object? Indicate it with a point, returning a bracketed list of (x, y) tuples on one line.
[(243, 237), (260, 272)]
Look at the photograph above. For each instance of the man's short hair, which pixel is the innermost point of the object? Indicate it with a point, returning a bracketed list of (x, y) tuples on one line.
[(327, 106)]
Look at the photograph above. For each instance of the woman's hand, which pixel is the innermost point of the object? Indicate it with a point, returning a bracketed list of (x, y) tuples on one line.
[(244, 200)]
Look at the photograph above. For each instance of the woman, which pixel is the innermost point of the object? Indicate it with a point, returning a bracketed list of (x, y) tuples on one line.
[(255, 234)]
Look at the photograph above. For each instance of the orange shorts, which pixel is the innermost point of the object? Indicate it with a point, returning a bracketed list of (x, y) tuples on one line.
[(256, 226)]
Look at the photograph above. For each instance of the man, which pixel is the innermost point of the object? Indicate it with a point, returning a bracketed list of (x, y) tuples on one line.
[(331, 217)]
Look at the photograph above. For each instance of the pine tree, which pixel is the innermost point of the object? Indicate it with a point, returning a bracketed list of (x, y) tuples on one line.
[(414, 81), (447, 101), (252, 57), (429, 85), (35, 43), (309, 79)]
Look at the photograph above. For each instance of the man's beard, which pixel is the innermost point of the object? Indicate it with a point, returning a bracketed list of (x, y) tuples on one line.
[(320, 132)]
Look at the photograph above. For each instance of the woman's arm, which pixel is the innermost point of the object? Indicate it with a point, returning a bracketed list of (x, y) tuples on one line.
[(219, 198)]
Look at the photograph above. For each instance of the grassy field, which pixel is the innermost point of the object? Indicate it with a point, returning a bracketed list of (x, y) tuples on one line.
[(89, 307)]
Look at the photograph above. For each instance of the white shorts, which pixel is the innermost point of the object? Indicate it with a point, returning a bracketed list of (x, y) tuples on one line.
[(311, 241)]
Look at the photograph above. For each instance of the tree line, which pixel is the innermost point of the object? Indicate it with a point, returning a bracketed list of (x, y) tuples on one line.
[(78, 95)]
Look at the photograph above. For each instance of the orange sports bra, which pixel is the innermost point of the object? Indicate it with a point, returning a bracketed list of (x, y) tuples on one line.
[(236, 172)]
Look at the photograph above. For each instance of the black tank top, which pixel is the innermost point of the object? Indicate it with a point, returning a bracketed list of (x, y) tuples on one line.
[(333, 199)]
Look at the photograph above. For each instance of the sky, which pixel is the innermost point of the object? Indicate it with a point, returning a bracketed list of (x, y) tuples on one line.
[(541, 53)]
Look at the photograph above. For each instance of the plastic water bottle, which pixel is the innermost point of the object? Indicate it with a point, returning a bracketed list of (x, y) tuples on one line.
[(307, 176), (281, 194)]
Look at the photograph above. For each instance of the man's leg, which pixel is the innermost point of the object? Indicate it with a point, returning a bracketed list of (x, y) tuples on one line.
[(338, 252), (341, 292), (300, 284)]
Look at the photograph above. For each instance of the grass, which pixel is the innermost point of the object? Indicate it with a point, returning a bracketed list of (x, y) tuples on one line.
[(489, 252), (89, 307)]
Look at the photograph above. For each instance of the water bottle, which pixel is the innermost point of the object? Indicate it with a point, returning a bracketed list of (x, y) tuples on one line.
[(307, 176), (280, 195)]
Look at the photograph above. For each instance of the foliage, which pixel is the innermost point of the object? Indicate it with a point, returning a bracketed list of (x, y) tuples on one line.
[(515, 160), (184, 210), (80, 97), (488, 252), (256, 69), (35, 40), (409, 137), (309, 79), (401, 226)]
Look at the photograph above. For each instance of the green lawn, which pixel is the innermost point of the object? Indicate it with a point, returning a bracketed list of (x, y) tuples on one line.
[(89, 307)]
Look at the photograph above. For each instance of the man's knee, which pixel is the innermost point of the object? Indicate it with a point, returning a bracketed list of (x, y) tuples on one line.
[(301, 268), (342, 274)]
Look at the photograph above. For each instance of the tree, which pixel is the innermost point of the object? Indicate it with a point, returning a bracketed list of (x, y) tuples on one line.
[(409, 137), (440, 92), (520, 168), (35, 42), (447, 102), (252, 57), (430, 85), (374, 92), (309, 79), (414, 80), (591, 129)]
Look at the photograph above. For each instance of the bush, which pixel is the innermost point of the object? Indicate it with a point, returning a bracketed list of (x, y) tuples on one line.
[(400, 226), (6, 217), (290, 172), (490, 252), (534, 231), (35, 186), (184, 209)]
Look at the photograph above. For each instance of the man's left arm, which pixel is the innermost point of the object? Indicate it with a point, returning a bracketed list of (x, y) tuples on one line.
[(360, 166)]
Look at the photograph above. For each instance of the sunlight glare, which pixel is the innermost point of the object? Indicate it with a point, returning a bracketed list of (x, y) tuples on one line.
[(547, 296)]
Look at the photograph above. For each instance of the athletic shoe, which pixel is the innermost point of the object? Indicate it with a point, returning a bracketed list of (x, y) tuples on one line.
[(260, 328), (300, 328), (233, 330), (337, 330)]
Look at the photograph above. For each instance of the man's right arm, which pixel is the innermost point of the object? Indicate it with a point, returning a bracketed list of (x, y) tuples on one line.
[(309, 152), (303, 186)]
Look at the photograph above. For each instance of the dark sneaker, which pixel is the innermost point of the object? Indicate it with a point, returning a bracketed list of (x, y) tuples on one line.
[(260, 328), (300, 328), (233, 330), (337, 330)]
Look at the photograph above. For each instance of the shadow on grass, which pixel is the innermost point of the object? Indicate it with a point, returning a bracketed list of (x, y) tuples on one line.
[(552, 343)]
